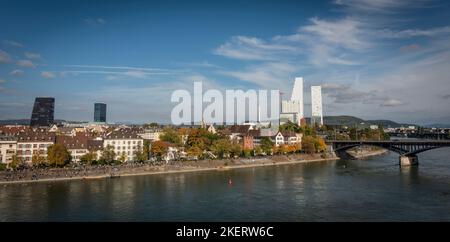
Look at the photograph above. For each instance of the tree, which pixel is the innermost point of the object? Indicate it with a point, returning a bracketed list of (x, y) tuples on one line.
[(16, 162), (221, 147), (247, 153), (153, 125), (308, 145), (146, 150), (170, 135), (88, 158), (257, 150), (140, 156), (38, 160), (235, 150), (108, 155), (159, 148), (123, 157), (289, 126), (266, 145), (284, 148), (319, 144), (194, 151), (58, 155)]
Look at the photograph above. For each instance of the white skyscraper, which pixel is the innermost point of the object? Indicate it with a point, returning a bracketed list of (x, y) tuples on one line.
[(316, 105), (297, 95), (293, 109)]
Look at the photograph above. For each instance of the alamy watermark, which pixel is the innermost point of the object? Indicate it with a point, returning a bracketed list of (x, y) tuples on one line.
[(238, 106)]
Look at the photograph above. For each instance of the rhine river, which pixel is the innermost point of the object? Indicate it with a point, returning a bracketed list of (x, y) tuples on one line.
[(374, 189)]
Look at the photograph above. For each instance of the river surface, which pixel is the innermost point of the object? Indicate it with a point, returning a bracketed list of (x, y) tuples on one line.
[(374, 189)]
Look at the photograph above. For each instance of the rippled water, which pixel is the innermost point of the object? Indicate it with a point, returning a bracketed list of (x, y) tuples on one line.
[(375, 189)]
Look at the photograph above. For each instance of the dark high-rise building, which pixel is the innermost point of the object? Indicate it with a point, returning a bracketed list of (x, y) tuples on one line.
[(100, 112), (43, 111)]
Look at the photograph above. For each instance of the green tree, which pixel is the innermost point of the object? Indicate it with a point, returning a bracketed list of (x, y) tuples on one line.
[(289, 126), (247, 153), (257, 150), (236, 150), (221, 147), (108, 155), (266, 145), (88, 158), (58, 155), (38, 160), (123, 157), (153, 125), (170, 135), (16, 162), (146, 149), (140, 156)]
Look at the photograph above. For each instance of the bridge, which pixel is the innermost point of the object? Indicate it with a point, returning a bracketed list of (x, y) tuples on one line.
[(407, 149)]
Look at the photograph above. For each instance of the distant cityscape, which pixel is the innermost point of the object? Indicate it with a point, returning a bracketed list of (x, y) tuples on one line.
[(93, 140)]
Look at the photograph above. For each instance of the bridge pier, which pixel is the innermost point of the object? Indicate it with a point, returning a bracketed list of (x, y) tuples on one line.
[(408, 160)]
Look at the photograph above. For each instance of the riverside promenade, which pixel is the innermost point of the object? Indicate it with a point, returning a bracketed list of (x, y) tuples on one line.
[(80, 172)]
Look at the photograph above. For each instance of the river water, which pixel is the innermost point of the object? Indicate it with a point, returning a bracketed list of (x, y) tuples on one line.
[(374, 189)]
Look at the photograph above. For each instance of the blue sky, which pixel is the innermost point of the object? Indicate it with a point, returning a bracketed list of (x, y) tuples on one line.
[(375, 59)]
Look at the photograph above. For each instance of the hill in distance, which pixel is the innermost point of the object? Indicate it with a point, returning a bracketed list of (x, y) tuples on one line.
[(329, 120), (354, 121)]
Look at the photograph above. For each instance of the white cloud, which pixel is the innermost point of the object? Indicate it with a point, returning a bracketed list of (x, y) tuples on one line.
[(391, 103), (47, 74), (2, 81), (30, 55), (13, 43), (344, 33), (268, 75), (16, 72), (4, 57), (380, 6), (26, 63), (409, 33), (95, 21), (251, 48)]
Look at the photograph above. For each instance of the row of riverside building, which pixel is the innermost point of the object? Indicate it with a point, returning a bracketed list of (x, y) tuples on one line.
[(26, 141)]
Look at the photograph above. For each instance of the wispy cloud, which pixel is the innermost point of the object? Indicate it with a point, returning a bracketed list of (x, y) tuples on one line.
[(26, 63), (16, 72), (120, 72), (95, 21), (346, 33), (265, 75), (380, 6), (121, 68), (251, 48), (34, 56), (409, 33), (47, 74), (13, 43)]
